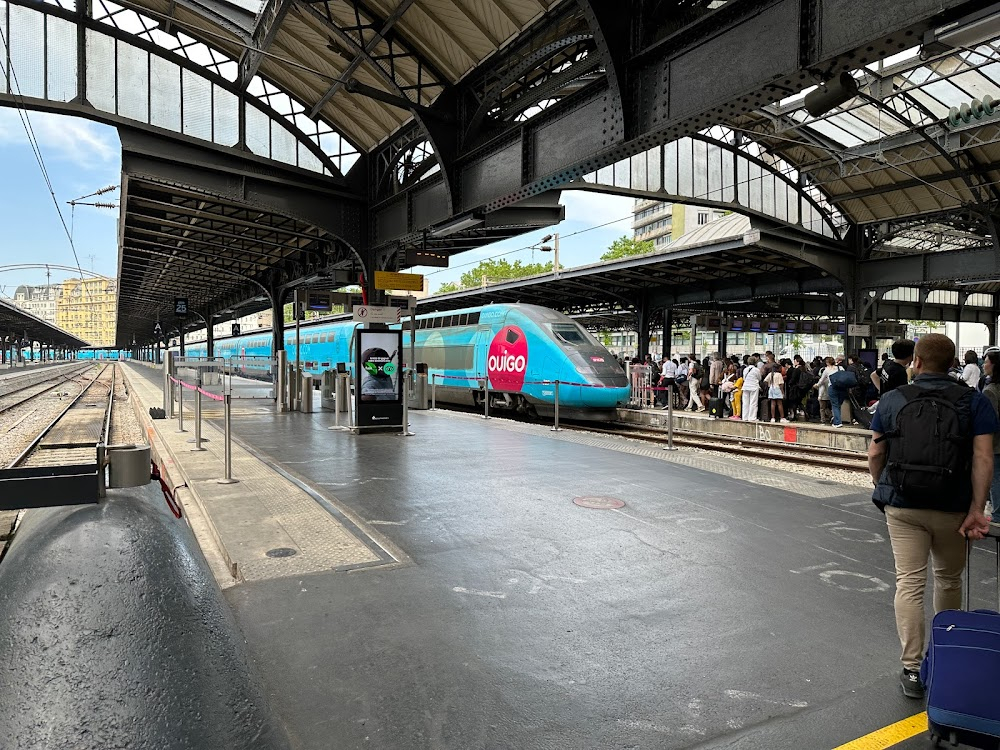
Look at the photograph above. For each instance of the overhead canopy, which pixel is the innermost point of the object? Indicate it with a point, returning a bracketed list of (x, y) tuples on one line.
[(19, 325)]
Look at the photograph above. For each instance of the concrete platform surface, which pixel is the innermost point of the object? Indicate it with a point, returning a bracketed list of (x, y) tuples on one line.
[(264, 525), (722, 606)]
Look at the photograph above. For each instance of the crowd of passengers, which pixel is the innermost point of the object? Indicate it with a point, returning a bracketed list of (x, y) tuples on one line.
[(758, 387)]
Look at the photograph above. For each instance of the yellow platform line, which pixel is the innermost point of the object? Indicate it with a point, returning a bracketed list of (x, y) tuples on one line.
[(888, 736)]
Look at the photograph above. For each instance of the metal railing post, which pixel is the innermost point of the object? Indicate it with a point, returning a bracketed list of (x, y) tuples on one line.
[(197, 414), (434, 385), (670, 420), (407, 374), (350, 401), (180, 405), (168, 386), (486, 390), (227, 410), (555, 428)]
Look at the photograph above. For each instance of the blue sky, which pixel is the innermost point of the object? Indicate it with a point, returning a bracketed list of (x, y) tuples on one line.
[(82, 156)]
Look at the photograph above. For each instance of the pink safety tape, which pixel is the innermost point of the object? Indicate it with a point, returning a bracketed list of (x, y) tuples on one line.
[(526, 382), (213, 396)]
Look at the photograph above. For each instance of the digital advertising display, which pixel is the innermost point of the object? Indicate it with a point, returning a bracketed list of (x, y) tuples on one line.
[(378, 378)]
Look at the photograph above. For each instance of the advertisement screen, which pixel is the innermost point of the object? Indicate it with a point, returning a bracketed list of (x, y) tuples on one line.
[(379, 366)]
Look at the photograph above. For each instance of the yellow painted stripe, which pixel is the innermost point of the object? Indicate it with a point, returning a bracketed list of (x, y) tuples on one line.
[(888, 736)]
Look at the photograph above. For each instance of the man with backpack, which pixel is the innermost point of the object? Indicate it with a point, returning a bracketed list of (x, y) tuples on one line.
[(892, 373), (931, 460), (842, 382)]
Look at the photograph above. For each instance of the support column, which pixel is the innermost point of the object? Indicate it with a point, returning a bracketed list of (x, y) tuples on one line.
[(277, 321), (694, 337), (723, 337), (642, 318), (668, 331), (963, 297), (209, 335), (181, 345)]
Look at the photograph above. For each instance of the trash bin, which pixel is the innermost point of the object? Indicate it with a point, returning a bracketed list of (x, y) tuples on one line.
[(420, 395), (307, 394), (328, 389), (343, 391)]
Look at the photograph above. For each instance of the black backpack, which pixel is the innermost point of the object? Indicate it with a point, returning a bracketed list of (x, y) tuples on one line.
[(930, 445)]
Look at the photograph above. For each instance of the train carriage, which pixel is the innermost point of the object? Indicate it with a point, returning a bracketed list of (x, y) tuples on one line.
[(520, 349)]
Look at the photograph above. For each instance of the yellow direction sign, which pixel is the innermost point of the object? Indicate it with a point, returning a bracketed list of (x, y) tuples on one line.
[(410, 282)]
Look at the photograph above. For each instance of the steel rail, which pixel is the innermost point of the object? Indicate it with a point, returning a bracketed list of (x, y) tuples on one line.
[(791, 453), (62, 378), (34, 443)]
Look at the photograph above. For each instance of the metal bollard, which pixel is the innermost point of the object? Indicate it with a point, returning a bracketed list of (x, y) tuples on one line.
[(556, 427), (180, 405), (407, 375), (486, 401), (227, 410), (434, 385), (197, 439), (670, 422)]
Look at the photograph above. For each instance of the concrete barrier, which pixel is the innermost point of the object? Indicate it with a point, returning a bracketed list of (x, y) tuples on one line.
[(116, 635)]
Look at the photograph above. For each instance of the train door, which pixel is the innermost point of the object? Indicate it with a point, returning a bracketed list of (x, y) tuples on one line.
[(482, 348)]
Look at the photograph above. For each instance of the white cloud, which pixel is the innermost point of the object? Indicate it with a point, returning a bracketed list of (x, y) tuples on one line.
[(72, 139), (593, 209)]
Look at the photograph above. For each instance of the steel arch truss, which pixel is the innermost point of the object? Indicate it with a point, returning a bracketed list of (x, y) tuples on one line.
[(721, 169), (99, 60)]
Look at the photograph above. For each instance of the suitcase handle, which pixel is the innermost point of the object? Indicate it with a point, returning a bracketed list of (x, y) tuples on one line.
[(993, 533)]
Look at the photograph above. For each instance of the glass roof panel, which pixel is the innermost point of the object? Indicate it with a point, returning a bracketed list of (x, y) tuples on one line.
[(853, 123), (882, 123), (842, 137), (946, 92), (939, 109), (975, 84)]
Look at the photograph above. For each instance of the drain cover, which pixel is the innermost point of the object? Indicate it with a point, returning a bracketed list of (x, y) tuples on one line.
[(281, 552), (599, 502)]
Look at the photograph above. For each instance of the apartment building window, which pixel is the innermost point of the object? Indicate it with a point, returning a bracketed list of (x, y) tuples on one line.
[(702, 218)]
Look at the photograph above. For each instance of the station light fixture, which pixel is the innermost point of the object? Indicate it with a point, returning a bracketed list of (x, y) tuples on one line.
[(458, 225), (963, 33), (831, 94)]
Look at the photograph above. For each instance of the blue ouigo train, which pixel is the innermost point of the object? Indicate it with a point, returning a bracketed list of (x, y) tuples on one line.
[(521, 348)]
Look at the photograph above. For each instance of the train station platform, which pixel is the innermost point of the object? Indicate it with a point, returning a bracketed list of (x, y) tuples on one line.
[(507, 586), (796, 432)]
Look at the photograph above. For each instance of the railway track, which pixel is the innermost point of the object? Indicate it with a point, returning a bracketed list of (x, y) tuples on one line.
[(20, 396), (72, 437), (789, 452)]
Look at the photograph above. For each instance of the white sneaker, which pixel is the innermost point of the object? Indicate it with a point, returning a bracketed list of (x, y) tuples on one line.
[(836, 425), (784, 421)]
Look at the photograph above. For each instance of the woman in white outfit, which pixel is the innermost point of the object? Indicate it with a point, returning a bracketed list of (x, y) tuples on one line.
[(751, 390), (971, 374), (694, 387)]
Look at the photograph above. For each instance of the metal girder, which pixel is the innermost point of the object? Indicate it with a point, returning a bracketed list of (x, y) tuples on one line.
[(676, 89), (929, 269), (265, 30), (365, 55), (58, 63)]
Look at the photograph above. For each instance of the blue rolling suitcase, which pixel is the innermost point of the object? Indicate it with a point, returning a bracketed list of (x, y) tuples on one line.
[(961, 672)]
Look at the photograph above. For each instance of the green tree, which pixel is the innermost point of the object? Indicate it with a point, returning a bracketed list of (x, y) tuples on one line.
[(449, 286), (500, 270), (624, 247)]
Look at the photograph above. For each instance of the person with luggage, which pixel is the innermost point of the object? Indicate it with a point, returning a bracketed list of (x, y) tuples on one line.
[(668, 372), (822, 387), (931, 460), (893, 372)]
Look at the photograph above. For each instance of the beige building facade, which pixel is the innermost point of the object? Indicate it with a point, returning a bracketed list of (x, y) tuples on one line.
[(88, 308)]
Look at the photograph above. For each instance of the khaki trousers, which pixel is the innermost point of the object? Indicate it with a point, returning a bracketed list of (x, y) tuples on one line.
[(917, 535)]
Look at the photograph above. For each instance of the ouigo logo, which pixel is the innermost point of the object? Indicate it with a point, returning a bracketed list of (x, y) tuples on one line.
[(507, 360)]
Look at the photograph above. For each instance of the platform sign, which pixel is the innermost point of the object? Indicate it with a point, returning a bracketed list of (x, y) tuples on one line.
[(379, 391), (376, 314), (406, 282), (862, 331), (319, 301), (181, 307)]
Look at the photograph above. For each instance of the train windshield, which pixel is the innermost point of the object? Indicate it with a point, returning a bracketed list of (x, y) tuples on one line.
[(571, 334)]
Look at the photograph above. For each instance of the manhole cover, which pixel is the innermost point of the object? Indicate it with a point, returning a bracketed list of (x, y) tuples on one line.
[(281, 552), (599, 502)]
